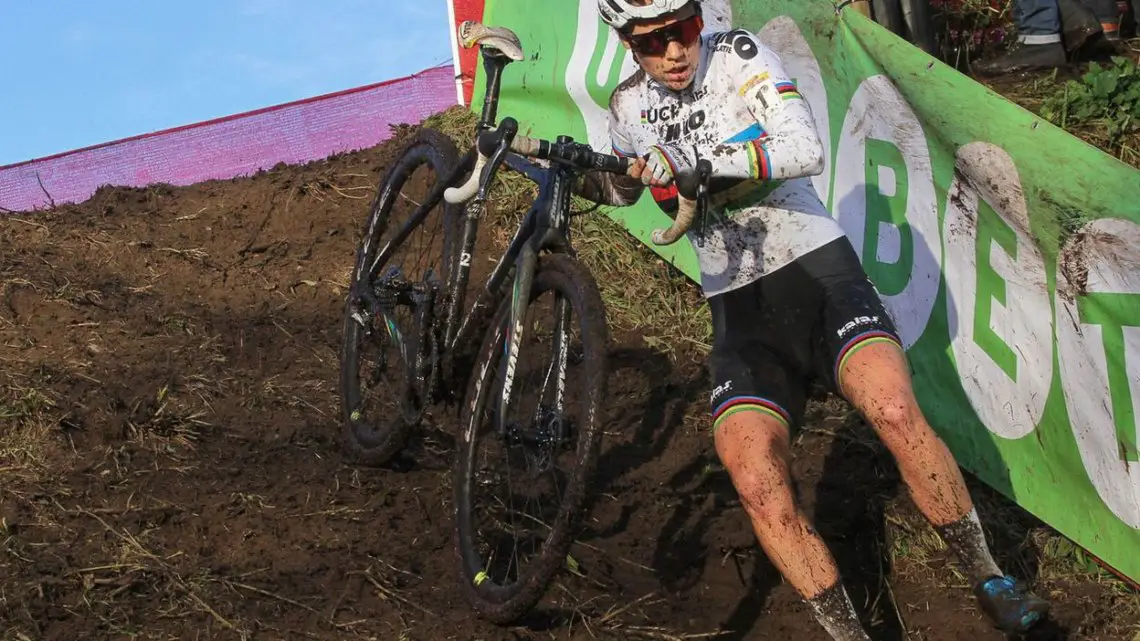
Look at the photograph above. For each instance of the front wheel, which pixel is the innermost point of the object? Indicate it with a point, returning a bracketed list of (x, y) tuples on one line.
[(521, 479)]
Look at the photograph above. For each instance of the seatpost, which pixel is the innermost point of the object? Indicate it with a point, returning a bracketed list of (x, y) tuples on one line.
[(493, 64)]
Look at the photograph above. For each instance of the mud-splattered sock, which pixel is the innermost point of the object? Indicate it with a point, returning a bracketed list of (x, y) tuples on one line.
[(834, 611), (966, 538)]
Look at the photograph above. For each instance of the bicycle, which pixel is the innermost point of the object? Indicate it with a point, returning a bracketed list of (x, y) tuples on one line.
[(428, 354)]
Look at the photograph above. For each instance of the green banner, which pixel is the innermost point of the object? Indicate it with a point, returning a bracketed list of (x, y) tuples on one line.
[(1007, 250)]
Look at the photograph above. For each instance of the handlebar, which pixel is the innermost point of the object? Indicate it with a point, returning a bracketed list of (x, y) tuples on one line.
[(692, 198), (491, 146)]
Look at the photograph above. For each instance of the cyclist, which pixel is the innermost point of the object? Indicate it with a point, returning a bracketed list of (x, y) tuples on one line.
[(788, 296)]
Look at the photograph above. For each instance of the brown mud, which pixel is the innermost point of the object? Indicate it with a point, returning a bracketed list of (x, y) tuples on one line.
[(170, 465)]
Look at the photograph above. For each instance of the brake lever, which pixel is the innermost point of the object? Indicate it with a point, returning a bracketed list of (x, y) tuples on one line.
[(692, 201), (485, 163), (509, 127)]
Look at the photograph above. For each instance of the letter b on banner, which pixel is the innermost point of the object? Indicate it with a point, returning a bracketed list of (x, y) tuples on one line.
[(884, 199)]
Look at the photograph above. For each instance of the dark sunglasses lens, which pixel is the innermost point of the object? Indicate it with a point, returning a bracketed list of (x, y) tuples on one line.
[(650, 44), (656, 42), (690, 30)]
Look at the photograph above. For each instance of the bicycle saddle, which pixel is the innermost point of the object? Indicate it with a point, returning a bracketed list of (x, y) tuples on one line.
[(500, 39)]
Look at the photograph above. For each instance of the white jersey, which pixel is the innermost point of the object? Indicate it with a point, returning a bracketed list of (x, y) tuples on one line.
[(745, 116)]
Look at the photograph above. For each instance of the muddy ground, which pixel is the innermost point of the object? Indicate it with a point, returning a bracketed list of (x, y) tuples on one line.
[(170, 465)]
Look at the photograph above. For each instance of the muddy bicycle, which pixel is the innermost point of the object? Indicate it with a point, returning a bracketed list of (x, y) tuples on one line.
[(541, 319)]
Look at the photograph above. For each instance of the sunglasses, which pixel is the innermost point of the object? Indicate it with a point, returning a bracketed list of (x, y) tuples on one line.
[(657, 41)]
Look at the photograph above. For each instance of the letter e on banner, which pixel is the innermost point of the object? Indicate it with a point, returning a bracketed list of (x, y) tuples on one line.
[(997, 294)]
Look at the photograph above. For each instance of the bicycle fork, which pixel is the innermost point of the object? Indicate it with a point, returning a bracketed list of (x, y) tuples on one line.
[(547, 431), (516, 328)]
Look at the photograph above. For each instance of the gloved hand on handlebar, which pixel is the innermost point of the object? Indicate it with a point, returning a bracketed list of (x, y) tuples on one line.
[(664, 162)]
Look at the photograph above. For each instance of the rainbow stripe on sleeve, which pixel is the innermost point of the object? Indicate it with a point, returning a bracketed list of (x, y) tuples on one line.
[(788, 90)]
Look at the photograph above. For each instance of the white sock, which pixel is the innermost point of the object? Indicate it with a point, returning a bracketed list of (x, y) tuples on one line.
[(834, 611)]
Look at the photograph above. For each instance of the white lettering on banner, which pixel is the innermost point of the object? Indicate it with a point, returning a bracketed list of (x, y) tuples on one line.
[(997, 294), (877, 111), (612, 48), (1102, 261), (585, 42), (783, 35), (717, 16)]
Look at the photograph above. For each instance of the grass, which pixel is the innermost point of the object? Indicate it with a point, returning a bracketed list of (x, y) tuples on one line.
[(1025, 547), (1022, 544), (1101, 106), (1087, 107), (26, 413)]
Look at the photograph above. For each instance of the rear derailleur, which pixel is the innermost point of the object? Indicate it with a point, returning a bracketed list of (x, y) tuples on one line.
[(419, 348)]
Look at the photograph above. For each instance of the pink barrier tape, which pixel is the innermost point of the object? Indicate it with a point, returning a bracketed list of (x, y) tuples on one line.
[(237, 145)]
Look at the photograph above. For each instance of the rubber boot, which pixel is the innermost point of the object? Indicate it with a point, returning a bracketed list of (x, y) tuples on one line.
[(1078, 24), (1023, 57)]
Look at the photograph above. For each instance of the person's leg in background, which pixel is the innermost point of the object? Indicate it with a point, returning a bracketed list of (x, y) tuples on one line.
[(1081, 20), (1038, 40), (1108, 15)]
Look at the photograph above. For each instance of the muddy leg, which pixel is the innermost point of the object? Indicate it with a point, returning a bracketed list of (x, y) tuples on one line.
[(754, 448), (876, 380)]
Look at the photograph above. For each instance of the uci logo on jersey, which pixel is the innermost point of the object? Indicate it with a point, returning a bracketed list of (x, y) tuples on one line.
[(672, 131), (654, 115)]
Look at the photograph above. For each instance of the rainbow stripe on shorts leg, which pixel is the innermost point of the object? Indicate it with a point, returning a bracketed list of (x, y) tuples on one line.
[(857, 343), (748, 404)]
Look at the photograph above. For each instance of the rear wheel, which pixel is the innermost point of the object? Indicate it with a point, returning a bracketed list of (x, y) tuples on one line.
[(521, 481), (389, 344)]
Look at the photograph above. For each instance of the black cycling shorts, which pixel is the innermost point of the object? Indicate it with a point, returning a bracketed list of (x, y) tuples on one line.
[(774, 337)]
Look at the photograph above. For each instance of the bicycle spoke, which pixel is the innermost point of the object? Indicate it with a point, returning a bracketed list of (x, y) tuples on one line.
[(529, 434)]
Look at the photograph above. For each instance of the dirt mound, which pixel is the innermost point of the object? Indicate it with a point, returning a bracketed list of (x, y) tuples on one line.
[(169, 462)]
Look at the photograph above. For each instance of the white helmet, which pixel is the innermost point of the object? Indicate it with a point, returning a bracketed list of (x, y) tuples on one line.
[(619, 13)]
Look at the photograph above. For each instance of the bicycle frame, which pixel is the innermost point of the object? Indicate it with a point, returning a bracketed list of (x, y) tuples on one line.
[(545, 227)]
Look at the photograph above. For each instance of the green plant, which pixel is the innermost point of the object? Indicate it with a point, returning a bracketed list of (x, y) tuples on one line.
[(1106, 96)]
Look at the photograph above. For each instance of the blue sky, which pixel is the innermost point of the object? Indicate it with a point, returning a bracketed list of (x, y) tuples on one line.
[(79, 73)]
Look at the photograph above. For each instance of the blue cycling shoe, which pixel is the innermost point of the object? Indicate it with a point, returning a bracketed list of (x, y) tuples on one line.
[(1009, 604)]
